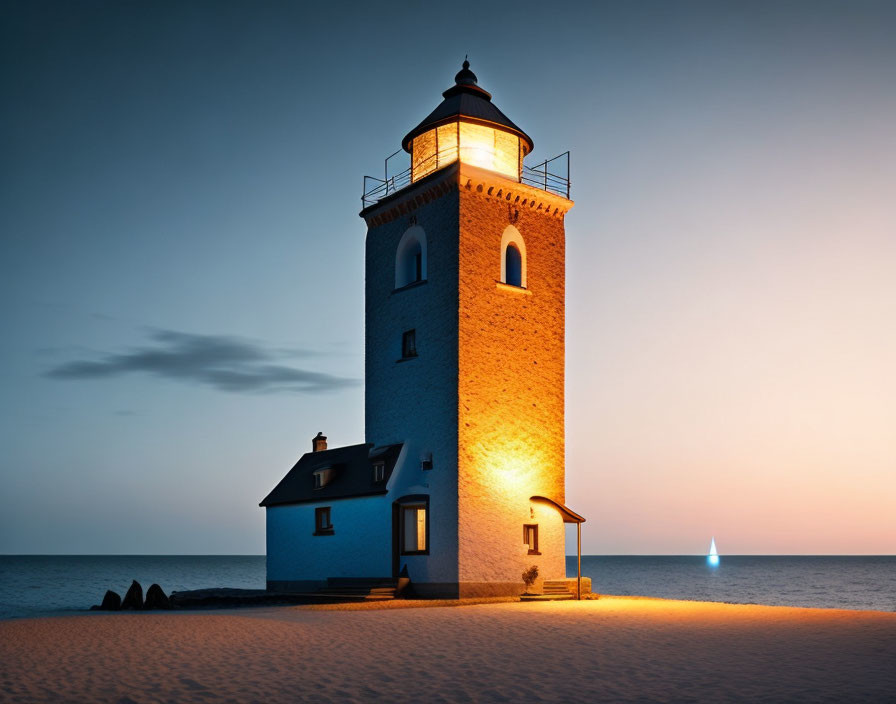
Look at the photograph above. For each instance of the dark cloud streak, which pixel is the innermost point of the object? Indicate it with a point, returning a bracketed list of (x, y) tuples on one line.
[(223, 362)]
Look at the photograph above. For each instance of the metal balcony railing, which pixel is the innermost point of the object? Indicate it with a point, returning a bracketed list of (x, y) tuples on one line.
[(551, 175)]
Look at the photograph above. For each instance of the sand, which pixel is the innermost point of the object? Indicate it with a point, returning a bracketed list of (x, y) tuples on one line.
[(614, 649)]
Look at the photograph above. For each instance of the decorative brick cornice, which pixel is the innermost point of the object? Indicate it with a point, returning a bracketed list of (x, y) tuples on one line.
[(459, 176), (492, 186), (408, 199)]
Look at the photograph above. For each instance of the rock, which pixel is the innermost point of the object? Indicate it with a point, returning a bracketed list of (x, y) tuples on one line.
[(134, 598), (111, 602), (156, 599)]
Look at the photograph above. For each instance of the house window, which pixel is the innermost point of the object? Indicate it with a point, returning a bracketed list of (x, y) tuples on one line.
[(379, 472), (530, 538), (409, 344), (322, 524), (414, 530)]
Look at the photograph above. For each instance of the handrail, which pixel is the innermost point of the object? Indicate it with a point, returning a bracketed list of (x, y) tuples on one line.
[(544, 176)]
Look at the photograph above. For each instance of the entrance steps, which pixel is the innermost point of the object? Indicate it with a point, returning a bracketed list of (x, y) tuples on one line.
[(552, 590), (358, 589)]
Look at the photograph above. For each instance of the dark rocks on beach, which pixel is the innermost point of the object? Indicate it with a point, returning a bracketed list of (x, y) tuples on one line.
[(156, 599), (111, 602), (134, 598)]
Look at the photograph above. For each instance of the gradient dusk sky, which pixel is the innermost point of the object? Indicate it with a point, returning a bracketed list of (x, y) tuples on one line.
[(181, 263)]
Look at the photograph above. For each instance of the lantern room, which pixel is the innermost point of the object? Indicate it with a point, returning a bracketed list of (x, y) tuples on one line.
[(468, 127)]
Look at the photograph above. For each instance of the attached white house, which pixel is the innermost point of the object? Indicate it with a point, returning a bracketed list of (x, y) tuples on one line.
[(460, 484)]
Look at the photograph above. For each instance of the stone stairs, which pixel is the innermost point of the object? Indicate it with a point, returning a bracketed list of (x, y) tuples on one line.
[(358, 589), (552, 590)]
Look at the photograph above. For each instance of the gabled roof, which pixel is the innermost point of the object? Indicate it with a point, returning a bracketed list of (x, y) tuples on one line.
[(351, 475), (466, 99)]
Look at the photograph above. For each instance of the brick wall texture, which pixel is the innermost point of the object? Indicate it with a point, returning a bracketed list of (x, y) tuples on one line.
[(511, 385), (485, 395)]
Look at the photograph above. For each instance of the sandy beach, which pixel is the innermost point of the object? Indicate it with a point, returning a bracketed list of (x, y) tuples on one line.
[(613, 649)]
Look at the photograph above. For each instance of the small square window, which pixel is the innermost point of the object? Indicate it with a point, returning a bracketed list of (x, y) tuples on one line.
[(379, 472), (530, 538), (409, 344), (322, 523)]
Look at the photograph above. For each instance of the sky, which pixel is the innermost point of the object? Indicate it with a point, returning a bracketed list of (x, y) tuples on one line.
[(181, 259)]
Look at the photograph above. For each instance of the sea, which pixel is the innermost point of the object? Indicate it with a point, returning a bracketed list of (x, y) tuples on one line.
[(52, 585)]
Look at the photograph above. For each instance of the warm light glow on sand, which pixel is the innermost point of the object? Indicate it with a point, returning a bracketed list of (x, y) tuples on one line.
[(612, 649)]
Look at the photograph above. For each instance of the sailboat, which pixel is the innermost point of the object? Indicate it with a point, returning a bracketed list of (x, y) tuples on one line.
[(713, 558)]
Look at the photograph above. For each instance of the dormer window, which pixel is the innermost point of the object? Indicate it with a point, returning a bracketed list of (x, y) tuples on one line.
[(379, 472), (322, 477)]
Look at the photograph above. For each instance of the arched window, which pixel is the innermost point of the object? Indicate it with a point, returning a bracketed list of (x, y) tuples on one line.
[(513, 266), (513, 258), (410, 257)]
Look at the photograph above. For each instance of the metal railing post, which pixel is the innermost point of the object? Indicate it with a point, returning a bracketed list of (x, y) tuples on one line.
[(579, 555)]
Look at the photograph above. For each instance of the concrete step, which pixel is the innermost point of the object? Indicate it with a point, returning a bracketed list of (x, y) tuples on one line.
[(358, 589), (547, 597)]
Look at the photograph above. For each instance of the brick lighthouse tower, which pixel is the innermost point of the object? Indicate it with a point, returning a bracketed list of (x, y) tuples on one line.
[(465, 290)]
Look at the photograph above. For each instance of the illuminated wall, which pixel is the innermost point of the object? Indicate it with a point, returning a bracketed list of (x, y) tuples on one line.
[(511, 385), (477, 145)]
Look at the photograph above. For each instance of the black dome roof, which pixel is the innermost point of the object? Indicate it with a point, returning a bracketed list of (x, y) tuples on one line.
[(466, 99)]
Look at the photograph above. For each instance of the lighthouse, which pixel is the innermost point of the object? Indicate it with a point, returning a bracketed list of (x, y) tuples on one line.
[(464, 366)]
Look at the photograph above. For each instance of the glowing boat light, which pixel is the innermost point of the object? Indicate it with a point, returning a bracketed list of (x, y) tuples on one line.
[(713, 558)]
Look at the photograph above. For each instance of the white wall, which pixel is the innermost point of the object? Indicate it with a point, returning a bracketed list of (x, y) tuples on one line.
[(415, 401)]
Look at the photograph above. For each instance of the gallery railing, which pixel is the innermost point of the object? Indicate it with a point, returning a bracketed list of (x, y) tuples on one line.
[(551, 175)]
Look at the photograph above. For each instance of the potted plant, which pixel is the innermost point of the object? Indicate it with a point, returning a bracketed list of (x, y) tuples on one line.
[(529, 577)]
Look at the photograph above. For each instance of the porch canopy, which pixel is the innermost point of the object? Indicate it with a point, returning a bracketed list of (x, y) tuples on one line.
[(569, 516)]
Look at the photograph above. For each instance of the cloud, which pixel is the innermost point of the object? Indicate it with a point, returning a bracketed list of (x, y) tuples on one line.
[(220, 361)]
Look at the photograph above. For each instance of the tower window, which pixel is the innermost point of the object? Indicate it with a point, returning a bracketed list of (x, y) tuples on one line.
[(513, 258), (530, 537), (379, 472), (410, 258), (409, 344), (513, 266), (322, 524)]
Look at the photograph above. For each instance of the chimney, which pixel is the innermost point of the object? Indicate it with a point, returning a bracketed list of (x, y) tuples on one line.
[(319, 442)]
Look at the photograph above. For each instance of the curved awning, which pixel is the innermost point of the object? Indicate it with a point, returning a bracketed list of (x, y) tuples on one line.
[(569, 516)]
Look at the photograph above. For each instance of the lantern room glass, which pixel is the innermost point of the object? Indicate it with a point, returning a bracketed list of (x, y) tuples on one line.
[(478, 145)]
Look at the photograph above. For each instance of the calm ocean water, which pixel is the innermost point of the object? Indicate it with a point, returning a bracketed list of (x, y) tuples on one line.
[(39, 585), (828, 582)]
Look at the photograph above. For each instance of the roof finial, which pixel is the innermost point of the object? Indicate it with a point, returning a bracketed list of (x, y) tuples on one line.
[(465, 76)]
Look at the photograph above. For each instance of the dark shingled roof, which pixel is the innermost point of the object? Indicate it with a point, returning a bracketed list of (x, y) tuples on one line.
[(466, 99), (352, 475)]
